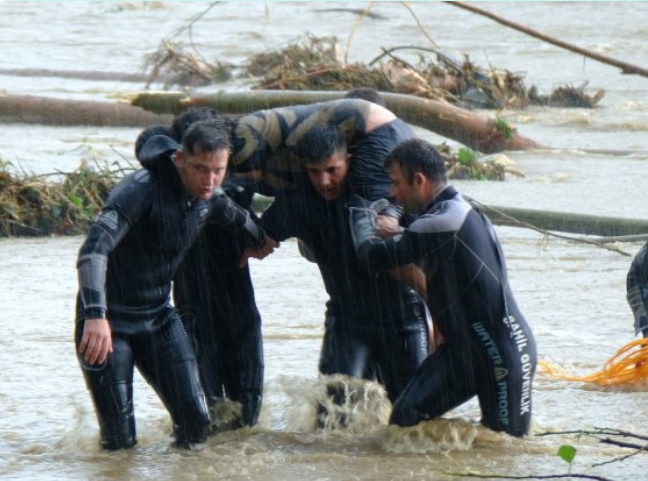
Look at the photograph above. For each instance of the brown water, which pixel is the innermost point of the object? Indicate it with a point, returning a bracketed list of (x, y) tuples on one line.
[(572, 294)]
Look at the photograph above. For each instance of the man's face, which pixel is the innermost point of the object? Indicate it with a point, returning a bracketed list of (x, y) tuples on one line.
[(329, 175), (202, 173), (407, 195)]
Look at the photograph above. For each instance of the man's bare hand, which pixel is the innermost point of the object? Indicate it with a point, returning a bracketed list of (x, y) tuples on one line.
[(387, 226), (267, 249), (96, 342)]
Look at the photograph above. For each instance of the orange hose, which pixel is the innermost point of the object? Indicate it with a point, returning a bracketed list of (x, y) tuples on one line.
[(628, 366)]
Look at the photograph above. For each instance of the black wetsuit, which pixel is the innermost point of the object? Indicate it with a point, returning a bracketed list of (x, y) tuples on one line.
[(265, 141), (125, 266), (374, 323), (215, 298), (489, 349), (637, 290)]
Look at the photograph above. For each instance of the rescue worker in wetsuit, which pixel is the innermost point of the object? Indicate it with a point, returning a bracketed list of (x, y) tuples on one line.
[(364, 93), (125, 267), (215, 298), (374, 322), (488, 350), (637, 290)]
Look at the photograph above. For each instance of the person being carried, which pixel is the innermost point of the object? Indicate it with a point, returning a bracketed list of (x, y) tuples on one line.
[(125, 269), (265, 142), (637, 290), (366, 93), (374, 323), (489, 349)]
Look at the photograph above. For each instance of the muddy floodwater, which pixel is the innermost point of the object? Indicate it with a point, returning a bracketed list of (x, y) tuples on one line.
[(572, 294)]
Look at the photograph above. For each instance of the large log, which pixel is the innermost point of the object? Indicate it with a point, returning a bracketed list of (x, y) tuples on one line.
[(94, 75), (469, 128), (566, 222), (43, 110), (629, 230)]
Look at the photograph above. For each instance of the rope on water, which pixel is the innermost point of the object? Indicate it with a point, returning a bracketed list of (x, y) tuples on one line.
[(629, 366)]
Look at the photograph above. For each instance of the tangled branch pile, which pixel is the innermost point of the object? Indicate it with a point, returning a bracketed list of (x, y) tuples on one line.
[(34, 206), (312, 63)]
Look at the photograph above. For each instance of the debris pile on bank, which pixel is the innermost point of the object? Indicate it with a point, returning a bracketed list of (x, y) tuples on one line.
[(36, 205)]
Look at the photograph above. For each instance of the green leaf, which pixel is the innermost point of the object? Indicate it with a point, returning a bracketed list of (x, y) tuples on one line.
[(506, 129), (466, 156), (75, 199), (567, 453)]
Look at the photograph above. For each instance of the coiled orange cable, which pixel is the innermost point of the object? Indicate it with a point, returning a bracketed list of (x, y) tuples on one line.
[(629, 366)]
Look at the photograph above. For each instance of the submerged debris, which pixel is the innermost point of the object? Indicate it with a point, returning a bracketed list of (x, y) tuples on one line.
[(567, 96), (465, 164)]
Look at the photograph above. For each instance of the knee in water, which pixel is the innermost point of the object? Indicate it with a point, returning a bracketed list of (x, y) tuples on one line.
[(404, 417)]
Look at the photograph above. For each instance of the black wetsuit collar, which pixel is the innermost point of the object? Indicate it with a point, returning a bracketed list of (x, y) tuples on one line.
[(447, 193)]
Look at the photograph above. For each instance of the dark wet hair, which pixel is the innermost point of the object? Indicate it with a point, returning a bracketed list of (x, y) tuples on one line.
[(205, 136), (417, 155), (147, 133), (320, 142), (366, 93), (183, 121)]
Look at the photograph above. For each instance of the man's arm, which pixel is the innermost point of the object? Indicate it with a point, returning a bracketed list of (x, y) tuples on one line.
[(376, 253), (228, 214), (103, 236)]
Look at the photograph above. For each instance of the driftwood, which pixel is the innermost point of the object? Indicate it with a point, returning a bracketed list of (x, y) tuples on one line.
[(93, 75), (469, 128), (612, 228), (626, 68), (43, 110), (566, 222)]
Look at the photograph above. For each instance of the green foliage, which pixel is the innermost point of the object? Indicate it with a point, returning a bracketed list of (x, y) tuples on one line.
[(567, 453), (467, 156), (506, 129)]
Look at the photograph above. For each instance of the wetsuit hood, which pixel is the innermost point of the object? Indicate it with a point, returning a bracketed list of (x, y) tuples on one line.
[(155, 147), (156, 156)]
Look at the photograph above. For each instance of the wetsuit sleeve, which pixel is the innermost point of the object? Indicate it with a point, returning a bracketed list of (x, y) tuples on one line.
[(277, 220), (124, 207), (382, 254), (228, 214)]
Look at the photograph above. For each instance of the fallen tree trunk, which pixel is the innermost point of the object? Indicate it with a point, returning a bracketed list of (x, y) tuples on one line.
[(94, 75), (43, 110), (633, 230), (469, 128), (566, 222), (626, 68)]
